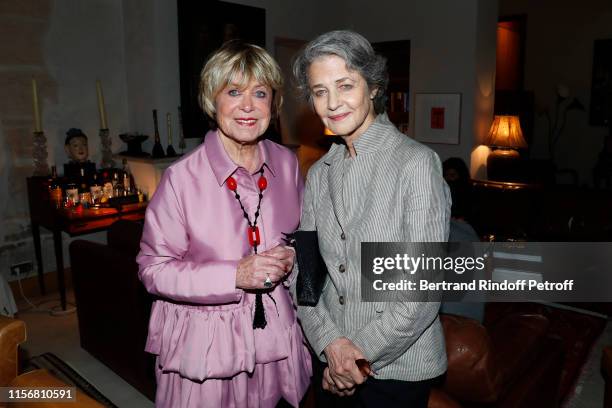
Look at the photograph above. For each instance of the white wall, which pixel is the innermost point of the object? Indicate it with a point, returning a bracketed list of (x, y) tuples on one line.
[(484, 87), (452, 50), (151, 43), (84, 43), (132, 47), (139, 46), (296, 19), (152, 72)]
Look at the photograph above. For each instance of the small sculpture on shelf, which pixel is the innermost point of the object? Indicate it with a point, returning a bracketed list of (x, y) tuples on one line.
[(134, 141), (158, 150), (77, 149)]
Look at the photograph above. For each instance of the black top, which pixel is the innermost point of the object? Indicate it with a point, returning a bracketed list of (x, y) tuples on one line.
[(72, 170)]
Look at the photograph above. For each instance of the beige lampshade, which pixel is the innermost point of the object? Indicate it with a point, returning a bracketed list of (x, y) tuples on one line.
[(506, 132)]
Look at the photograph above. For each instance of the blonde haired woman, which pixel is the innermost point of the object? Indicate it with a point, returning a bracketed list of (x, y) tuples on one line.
[(224, 328)]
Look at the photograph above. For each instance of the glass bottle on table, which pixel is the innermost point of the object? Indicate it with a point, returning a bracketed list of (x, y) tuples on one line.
[(96, 190), (55, 189), (72, 194), (128, 184), (117, 185), (107, 186), (84, 193)]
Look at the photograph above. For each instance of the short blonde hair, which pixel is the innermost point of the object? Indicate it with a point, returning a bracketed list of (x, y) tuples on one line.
[(239, 62)]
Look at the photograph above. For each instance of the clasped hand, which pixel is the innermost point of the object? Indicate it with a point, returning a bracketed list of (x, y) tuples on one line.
[(275, 264), (342, 374)]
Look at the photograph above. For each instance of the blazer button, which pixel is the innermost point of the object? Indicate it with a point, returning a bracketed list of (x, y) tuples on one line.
[(342, 236), (341, 300), (341, 268)]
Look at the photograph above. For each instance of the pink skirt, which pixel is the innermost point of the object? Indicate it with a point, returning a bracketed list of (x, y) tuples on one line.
[(209, 356), (263, 388)]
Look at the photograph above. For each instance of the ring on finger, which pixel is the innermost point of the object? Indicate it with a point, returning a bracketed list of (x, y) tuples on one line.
[(268, 282)]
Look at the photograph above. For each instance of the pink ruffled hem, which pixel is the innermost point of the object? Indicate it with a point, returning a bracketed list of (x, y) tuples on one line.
[(201, 343)]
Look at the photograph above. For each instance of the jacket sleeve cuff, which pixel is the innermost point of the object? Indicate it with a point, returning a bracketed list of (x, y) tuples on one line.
[(326, 337), (367, 348), (291, 277), (218, 283), (319, 329)]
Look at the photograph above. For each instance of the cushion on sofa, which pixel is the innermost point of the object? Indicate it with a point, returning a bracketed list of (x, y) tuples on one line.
[(481, 367)]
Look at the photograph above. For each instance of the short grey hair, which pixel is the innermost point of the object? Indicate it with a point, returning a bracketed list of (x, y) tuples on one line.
[(359, 56)]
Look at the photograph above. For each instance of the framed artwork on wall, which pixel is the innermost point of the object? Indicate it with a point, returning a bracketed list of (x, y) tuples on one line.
[(203, 27), (437, 117), (601, 84)]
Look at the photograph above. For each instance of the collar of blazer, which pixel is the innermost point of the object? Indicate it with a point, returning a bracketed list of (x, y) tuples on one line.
[(382, 134)]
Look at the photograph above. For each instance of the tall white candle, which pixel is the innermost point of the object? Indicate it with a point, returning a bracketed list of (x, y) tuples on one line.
[(37, 125), (101, 108)]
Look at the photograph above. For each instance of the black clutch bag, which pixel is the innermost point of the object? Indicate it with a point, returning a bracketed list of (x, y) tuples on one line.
[(312, 269)]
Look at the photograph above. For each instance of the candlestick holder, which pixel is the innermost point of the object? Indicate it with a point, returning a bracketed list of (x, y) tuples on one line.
[(107, 153), (39, 154), (182, 144)]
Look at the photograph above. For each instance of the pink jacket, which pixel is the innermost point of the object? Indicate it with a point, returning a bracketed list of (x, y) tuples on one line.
[(194, 235)]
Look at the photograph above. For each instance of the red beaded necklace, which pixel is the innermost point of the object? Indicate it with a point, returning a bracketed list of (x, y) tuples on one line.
[(259, 318), (252, 229)]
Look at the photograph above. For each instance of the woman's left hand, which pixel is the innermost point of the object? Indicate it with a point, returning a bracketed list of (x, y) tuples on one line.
[(284, 254), (341, 355), (330, 385)]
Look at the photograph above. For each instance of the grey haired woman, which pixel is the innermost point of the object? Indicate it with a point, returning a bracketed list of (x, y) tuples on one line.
[(378, 186)]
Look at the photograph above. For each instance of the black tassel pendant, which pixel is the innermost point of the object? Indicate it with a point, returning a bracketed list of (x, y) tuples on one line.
[(259, 320)]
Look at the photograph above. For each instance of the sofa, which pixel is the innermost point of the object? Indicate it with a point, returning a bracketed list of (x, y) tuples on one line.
[(12, 334), (512, 361), (113, 306)]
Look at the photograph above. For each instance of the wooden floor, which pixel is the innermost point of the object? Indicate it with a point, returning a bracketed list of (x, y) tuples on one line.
[(50, 331)]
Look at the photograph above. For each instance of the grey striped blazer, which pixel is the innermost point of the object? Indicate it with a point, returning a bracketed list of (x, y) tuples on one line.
[(392, 191)]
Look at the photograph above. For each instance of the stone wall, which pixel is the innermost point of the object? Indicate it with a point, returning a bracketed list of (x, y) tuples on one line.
[(23, 26), (66, 45)]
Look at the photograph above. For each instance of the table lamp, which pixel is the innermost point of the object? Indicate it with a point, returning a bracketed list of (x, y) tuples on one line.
[(505, 136)]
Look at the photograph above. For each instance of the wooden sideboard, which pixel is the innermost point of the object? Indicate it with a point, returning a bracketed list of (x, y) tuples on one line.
[(539, 212), (71, 221)]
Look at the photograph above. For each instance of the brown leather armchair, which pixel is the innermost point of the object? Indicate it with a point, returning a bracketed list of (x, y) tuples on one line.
[(513, 363), (12, 334)]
